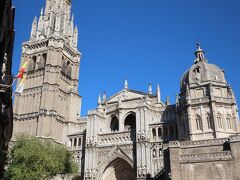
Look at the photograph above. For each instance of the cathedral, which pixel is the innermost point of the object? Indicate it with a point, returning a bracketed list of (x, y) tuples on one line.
[(132, 134)]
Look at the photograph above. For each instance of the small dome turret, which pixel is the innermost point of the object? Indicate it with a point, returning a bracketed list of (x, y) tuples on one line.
[(201, 71)]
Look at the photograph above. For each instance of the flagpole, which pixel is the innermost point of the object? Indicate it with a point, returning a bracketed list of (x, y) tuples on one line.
[(13, 82)]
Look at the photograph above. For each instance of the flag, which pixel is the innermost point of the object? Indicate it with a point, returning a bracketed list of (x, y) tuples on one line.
[(22, 70), (20, 87)]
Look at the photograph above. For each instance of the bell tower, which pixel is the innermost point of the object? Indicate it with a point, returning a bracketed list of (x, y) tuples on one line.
[(50, 99)]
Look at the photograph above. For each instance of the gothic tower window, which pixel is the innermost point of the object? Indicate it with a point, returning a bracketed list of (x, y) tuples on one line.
[(68, 69), (209, 123), (43, 60), (33, 63), (199, 123), (114, 124), (229, 123), (219, 121)]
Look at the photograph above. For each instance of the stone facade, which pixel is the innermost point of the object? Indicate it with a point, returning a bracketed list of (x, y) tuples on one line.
[(127, 136)]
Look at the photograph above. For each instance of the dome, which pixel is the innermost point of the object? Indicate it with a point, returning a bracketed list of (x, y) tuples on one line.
[(201, 71)]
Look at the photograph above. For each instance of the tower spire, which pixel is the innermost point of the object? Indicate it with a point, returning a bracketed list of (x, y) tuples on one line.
[(199, 53), (99, 99), (34, 29)]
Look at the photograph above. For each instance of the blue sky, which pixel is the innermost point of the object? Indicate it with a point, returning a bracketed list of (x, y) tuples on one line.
[(144, 41)]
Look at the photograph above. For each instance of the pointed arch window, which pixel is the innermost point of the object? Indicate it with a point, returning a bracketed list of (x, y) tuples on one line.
[(199, 123), (33, 62), (229, 123), (209, 121), (219, 121)]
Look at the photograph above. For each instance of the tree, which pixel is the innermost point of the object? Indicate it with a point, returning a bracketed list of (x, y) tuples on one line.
[(34, 159)]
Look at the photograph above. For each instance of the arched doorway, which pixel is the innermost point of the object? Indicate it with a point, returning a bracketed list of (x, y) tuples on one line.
[(119, 169)]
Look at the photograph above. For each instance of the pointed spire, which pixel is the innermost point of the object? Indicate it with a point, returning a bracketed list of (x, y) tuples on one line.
[(75, 36), (104, 100), (34, 29), (167, 100), (99, 99), (41, 12), (126, 84), (40, 24), (149, 88), (158, 94), (42, 35), (199, 53)]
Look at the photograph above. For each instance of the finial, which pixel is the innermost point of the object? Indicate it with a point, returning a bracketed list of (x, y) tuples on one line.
[(126, 84), (35, 20), (199, 53), (158, 94), (149, 88), (41, 11)]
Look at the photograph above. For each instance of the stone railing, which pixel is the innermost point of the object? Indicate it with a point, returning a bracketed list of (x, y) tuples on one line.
[(211, 142), (200, 100), (205, 157), (223, 99), (124, 137)]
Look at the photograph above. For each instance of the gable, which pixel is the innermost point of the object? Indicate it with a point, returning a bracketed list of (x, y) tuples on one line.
[(125, 95)]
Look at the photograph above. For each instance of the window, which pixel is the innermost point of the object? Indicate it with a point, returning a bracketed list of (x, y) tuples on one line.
[(159, 132), (33, 63), (199, 123), (154, 133), (160, 152), (154, 153), (209, 123), (130, 122), (219, 121), (42, 61), (229, 123), (79, 141), (75, 141), (196, 70)]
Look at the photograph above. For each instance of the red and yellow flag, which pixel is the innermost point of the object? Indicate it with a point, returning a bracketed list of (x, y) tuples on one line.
[(22, 70)]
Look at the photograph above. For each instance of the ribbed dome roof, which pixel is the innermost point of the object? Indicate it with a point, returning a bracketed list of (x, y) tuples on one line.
[(202, 71)]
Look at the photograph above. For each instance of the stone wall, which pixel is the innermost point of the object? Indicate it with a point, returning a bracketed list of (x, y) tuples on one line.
[(217, 159)]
